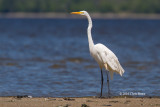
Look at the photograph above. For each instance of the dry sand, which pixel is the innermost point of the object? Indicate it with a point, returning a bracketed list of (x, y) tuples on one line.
[(79, 102)]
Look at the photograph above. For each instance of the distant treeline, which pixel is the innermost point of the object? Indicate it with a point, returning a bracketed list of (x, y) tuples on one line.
[(115, 6)]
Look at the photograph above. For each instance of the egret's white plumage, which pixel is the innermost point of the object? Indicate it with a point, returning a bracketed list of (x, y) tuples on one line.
[(104, 56)]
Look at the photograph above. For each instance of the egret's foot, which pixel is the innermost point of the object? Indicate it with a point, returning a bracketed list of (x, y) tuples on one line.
[(109, 95), (101, 97)]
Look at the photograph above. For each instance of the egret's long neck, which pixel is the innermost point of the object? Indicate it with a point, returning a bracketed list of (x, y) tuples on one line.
[(91, 44)]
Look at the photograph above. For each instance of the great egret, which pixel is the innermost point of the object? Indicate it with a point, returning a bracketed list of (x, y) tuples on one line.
[(104, 56)]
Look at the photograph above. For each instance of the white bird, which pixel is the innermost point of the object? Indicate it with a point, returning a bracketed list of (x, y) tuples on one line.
[(104, 56)]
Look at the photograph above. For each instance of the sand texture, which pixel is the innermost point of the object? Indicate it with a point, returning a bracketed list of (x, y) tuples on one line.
[(79, 102)]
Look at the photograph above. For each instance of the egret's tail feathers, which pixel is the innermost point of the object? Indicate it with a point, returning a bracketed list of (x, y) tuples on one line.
[(106, 66), (121, 71), (110, 72)]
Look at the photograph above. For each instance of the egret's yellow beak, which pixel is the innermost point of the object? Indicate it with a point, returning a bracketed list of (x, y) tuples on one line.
[(76, 12)]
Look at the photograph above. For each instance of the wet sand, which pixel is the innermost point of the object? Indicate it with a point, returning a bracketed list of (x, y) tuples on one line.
[(93, 15), (79, 102)]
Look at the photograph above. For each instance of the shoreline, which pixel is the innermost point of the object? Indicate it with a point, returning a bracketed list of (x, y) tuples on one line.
[(69, 16), (78, 102)]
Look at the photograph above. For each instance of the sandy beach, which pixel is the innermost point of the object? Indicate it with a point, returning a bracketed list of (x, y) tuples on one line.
[(79, 102), (93, 15)]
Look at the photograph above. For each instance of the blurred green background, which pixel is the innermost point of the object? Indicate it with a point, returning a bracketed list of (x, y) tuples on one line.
[(114, 6)]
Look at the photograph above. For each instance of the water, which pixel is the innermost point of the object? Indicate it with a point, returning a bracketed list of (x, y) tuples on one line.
[(50, 57)]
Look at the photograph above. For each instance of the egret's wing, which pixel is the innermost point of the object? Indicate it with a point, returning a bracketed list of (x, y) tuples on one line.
[(113, 62), (108, 57)]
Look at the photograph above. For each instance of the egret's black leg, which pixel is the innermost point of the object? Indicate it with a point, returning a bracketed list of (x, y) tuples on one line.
[(108, 84), (101, 82)]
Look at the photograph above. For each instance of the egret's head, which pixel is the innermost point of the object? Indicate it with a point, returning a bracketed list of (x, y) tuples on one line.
[(80, 13)]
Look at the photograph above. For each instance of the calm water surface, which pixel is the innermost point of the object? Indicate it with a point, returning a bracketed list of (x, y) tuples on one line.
[(50, 57)]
